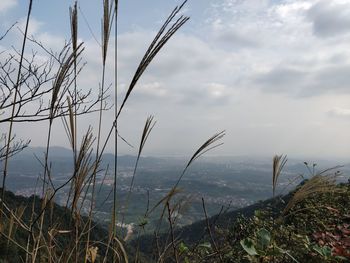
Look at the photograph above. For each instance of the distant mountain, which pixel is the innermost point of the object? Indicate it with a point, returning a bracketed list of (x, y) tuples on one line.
[(59, 154), (31, 161), (55, 151)]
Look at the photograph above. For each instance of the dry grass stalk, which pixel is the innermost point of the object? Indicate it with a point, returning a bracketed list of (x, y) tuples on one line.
[(73, 12), (83, 168), (156, 45), (122, 249), (37, 240), (318, 184), (14, 217), (70, 129), (158, 42), (205, 147), (82, 161), (105, 32), (107, 23), (279, 161), (209, 229), (208, 145), (15, 243), (61, 79), (146, 132), (171, 225)]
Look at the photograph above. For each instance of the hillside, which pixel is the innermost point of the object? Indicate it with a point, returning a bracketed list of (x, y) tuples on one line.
[(315, 228), (197, 232), (61, 222)]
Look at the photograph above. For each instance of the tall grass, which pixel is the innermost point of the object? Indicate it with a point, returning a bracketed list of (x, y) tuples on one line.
[(69, 237), (16, 88)]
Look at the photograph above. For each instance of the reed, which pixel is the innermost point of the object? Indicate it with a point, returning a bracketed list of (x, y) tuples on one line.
[(320, 183), (60, 97)]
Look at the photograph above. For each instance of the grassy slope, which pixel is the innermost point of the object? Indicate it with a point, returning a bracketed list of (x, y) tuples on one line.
[(320, 221)]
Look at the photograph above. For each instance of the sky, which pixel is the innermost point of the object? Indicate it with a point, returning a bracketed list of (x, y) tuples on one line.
[(274, 74)]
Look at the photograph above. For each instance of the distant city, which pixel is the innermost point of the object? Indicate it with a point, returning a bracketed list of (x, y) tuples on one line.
[(223, 182)]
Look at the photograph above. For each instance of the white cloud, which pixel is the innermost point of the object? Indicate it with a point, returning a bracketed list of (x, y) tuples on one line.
[(340, 112), (153, 89), (33, 27), (292, 9), (217, 90), (6, 5)]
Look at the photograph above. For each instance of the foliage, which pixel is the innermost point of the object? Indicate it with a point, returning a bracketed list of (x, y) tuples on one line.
[(309, 225), (314, 230)]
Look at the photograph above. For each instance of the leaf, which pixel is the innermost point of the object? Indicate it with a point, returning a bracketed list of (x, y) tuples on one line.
[(92, 252), (183, 248), (248, 246), (318, 250), (288, 254), (341, 258), (142, 222), (121, 247), (264, 238), (205, 245), (323, 251)]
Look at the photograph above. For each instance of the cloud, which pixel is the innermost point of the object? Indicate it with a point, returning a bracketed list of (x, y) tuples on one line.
[(330, 18), (217, 90), (207, 95), (282, 80), (339, 112), (262, 70), (153, 90), (285, 47), (233, 38), (330, 79), (335, 78), (34, 26), (6, 5), (188, 71)]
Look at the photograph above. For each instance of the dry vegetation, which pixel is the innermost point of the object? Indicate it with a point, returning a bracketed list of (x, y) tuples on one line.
[(45, 92), (43, 232)]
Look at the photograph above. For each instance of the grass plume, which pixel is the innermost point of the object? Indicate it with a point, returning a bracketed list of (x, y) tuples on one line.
[(279, 161), (162, 37), (318, 184)]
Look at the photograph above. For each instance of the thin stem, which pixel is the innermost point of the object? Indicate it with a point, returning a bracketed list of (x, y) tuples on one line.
[(172, 232), (46, 157), (17, 86), (115, 112), (105, 39), (209, 230)]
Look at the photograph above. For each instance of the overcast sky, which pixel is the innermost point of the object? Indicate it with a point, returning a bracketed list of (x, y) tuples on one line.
[(274, 74)]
